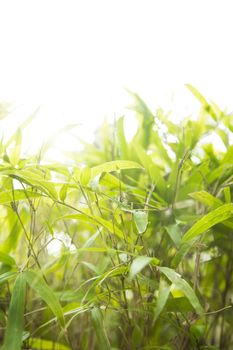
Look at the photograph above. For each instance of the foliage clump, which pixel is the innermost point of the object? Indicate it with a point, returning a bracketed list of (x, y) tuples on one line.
[(144, 238)]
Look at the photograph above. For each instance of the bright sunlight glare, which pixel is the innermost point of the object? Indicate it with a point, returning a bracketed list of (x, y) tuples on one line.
[(75, 59)]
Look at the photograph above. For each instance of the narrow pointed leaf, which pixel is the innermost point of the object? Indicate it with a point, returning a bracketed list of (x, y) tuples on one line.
[(122, 143), (7, 259), (206, 198), (6, 276), (96, 220), (15, 322), (115, 165), (45, 293), (44, 344), (97, 319), (139, 263), (183, 286), (209, 220), (164, 291)]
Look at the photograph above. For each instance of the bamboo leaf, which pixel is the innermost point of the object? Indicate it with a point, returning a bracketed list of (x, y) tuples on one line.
[(208, 108), (227, 194), (7, 259), (97, 319), (141, 220), (206, 198), (115, 165), (63, 192), (96, 220), (164, 291), (216, 216), (46, 293), (85, 176), (139, 263), (123, 147), (15, 322), (44, 344), (6, 276), (174, 232), (183, 286), (143, 135), (7, 196)]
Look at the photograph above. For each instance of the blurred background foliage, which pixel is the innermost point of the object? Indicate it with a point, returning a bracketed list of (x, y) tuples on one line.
[(127, 245)]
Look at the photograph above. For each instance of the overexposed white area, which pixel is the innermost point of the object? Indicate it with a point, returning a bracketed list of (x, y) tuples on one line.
[(75, 58)]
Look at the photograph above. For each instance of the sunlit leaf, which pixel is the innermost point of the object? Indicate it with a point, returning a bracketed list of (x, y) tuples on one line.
[(206, 198), (122, 144), (96, 220), (85, 176), (139, 263), (208, 108), (43, 344), (216, 216), (227, 194), (115, 165)]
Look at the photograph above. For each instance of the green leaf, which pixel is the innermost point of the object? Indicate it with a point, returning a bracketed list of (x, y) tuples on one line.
[(143, 135), (122, 143), (46, 293), (174, 233), (207, 107), (7, 196), (152, 169), (97, 319), (6, 276), (227, 194), (15, 151), (32, 178), (85, 176), (183, 286), (164, 291), (139, 263), (197, 94), (63, 192), (111, 181), (96, 220), (15, 322), (209, 220), (115, 165), (206, 198), (43, 344), (141, 220), (7, 259), (182, 252), (181, 304)]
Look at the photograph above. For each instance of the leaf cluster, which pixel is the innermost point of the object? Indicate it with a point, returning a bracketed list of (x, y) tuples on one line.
[(143, 238)]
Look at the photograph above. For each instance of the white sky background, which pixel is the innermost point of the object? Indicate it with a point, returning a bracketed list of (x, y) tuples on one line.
[(74, 59)]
